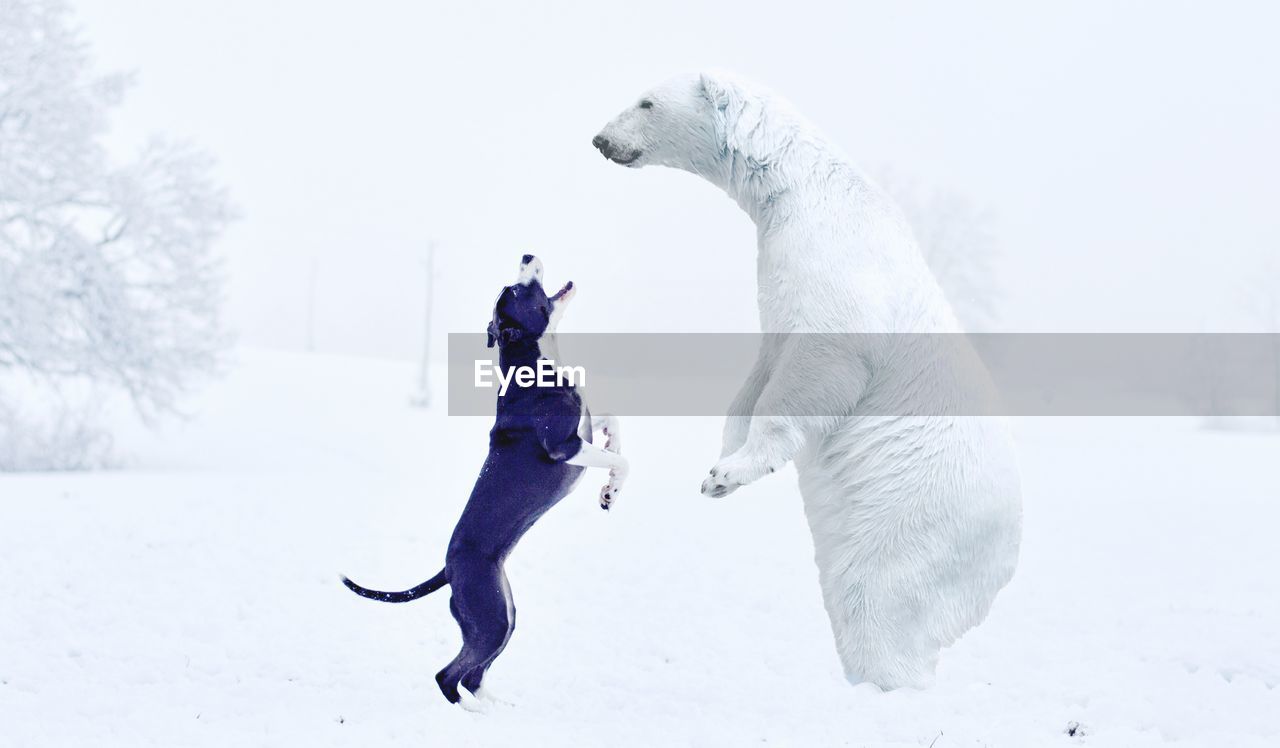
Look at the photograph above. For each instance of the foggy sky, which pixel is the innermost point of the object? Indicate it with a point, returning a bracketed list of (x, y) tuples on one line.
[(1128, 153)]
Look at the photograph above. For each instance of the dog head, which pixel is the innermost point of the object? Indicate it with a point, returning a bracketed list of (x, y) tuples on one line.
[(523, 312)]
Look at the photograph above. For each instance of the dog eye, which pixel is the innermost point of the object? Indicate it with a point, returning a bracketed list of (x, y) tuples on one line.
[(646, 104)]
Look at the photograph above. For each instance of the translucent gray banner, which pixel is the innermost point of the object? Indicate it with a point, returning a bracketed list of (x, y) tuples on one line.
[(1077, 374)]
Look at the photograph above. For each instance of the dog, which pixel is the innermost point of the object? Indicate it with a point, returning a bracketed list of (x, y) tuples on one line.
[(540, 445)]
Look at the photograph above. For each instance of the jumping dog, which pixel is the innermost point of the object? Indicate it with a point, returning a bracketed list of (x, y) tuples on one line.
[(539, 446)]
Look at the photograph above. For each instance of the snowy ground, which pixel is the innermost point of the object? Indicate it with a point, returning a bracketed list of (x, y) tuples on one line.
[(193, 599)]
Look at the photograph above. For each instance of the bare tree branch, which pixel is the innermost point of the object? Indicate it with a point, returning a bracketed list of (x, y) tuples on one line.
[(957, 242), (107, 271)]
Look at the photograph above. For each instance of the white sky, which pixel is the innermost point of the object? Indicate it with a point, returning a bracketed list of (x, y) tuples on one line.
[(1128, 151)]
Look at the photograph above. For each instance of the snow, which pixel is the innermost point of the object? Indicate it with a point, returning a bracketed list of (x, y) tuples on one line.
[(193, 598)]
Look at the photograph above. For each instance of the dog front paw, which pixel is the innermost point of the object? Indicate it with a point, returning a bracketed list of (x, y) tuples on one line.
[(608, 495), (617, 475)]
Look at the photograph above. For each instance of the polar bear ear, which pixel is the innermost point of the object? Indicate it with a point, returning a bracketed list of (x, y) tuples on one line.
[(716, 91)]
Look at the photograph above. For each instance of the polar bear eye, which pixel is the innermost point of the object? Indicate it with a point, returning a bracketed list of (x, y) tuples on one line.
[(646, 104)]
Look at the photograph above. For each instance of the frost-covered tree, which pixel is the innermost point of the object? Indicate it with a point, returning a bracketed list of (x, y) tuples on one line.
[(956, 239), (107, 270)]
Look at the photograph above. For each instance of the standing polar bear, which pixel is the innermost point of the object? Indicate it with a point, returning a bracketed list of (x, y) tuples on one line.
[(916, 516)]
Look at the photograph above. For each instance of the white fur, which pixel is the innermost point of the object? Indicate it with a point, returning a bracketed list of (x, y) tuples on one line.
[(529, 272), (916, 519), (589, 455), (609, 456)]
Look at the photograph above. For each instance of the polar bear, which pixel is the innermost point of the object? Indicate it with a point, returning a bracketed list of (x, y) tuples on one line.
[(915, 512)]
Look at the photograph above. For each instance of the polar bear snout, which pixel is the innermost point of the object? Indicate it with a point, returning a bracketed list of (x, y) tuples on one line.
[(611, 151)]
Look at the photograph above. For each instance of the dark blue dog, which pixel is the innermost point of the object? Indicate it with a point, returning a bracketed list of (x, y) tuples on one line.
[(538, 449)]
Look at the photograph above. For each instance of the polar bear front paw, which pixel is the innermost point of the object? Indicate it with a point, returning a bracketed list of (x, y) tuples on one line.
[(732, 473), (714, 488)]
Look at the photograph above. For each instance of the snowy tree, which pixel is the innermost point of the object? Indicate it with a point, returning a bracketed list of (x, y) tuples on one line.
[(107, 273), (956, 239)]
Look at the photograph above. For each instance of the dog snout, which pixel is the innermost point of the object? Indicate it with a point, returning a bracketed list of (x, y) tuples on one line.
[(601, 143)]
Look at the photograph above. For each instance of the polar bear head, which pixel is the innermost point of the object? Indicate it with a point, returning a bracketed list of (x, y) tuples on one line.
[(681, 123), (735, 134)]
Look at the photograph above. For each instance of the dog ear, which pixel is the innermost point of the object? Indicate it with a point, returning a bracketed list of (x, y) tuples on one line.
[(509, 335), (504, 297), (503, 335)]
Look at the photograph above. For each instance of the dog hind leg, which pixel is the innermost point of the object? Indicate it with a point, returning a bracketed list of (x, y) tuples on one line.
[(481, 606), (473, 680)]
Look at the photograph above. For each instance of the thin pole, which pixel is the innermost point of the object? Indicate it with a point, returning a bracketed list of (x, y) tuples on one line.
[(311, 303), (423, 398)]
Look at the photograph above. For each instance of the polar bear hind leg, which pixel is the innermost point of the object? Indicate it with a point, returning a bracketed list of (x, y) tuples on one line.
[(896, 593)]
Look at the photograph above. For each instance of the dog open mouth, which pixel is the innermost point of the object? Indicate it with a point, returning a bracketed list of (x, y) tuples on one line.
[(564, 290)]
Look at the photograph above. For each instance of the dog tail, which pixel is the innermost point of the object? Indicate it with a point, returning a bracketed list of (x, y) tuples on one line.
[(422, 590)]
